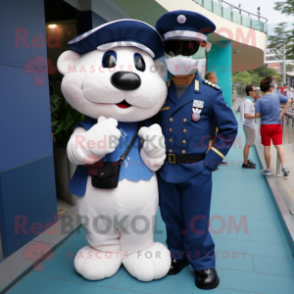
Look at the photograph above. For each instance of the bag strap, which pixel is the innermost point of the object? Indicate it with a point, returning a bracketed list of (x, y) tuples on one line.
[(122, 158)]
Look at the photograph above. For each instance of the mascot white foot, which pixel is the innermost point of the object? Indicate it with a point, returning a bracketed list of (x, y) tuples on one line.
[(112, 78), (149, 264), (94, 265)]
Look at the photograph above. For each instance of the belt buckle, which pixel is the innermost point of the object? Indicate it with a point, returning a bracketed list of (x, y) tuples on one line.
[(172, 158)]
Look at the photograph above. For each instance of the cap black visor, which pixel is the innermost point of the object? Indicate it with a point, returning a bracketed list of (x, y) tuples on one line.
[(178, 47)]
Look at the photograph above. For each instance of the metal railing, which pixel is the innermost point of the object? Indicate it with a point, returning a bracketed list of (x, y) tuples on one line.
[(240, 9), (287, 120), (230, 14)]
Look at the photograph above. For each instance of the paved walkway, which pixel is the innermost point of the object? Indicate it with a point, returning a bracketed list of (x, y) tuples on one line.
[(257, 261)]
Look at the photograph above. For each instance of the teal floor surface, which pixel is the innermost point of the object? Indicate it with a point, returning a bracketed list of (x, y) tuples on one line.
[(255, 260)]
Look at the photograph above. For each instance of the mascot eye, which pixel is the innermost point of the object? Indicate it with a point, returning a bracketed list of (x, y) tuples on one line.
[(139, 62), (109, 59)]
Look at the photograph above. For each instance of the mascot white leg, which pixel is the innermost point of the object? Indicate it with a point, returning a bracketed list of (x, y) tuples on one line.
[(101, 259), (144, 259), (119, 225)]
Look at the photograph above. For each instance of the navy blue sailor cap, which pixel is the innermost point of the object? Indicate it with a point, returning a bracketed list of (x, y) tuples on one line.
[(123, 32), (184, 25)]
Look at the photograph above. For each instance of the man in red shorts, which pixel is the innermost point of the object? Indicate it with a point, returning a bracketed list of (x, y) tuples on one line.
[(268, 108)]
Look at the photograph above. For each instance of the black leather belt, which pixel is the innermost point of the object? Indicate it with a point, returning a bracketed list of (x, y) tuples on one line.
[(180, 158)]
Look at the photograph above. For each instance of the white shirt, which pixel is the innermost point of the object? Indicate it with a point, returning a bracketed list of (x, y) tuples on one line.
[(249, 109), (290, 94)]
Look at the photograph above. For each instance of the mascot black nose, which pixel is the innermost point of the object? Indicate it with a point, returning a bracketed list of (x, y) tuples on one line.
[(124, 80)]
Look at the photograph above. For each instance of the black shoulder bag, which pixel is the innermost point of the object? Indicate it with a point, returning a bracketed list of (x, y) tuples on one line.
[(105, 175)]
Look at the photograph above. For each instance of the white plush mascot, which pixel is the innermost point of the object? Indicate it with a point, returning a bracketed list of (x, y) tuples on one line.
[(111, 77)]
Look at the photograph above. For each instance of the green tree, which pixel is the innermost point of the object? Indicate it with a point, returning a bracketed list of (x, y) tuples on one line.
[(243, 78), (265, 71), (286, 7), (261, 73), (289, 67), (282, 37), (256, 78)]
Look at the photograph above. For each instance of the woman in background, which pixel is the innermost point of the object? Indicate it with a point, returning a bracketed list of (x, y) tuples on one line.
[(268, 109)]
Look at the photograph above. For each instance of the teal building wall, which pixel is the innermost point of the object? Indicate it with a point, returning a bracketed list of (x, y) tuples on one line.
[(219, 60)]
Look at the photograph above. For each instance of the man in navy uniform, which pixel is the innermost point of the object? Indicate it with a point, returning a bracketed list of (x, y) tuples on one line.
[(186, 117)]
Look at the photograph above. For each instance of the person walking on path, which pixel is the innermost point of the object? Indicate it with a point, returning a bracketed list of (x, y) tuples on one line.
[(249, 125), (285, 91), (258, 13), (282, 89), (268, 109)]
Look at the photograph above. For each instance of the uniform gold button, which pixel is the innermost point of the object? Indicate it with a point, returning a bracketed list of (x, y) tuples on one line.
[(170, 129), (102, 174), (183, 151), (184, 120), (170, 151), (170, 140), (171, 119), (184, 130), (184, 141)]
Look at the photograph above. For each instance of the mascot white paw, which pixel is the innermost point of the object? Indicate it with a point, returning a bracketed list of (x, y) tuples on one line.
[(150, 264), (96, 265)]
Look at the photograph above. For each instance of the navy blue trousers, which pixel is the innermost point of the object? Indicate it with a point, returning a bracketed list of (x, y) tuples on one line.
[(185, 209)]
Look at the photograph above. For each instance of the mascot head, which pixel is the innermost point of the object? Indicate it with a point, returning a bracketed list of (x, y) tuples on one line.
[(112, 71)]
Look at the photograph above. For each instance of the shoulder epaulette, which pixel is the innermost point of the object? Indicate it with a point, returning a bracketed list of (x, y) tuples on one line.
[(168, 83), (211, 84)]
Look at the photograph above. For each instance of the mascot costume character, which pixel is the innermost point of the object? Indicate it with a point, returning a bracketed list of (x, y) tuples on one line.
[(111, 77), (186, 119)]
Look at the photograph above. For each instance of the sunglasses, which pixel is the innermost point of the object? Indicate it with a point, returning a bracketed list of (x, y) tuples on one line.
[(177, 47)]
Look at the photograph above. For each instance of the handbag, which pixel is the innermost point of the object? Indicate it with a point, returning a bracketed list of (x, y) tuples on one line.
[(105, 175)]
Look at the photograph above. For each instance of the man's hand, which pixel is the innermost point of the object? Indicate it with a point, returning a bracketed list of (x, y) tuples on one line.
[(246, 115), (288, 103)]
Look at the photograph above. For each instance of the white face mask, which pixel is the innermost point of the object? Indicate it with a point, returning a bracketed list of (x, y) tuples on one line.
[(181, 65)]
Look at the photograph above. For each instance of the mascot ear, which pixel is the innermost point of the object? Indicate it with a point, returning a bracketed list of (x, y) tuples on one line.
[(160, 68), (66, 59)]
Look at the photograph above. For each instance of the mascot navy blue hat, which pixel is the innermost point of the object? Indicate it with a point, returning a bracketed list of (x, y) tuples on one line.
[(125, 32), (182, 24), (110, 76)]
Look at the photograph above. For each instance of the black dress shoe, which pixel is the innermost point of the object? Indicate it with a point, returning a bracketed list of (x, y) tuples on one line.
[(206, 279), (177, 266)]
